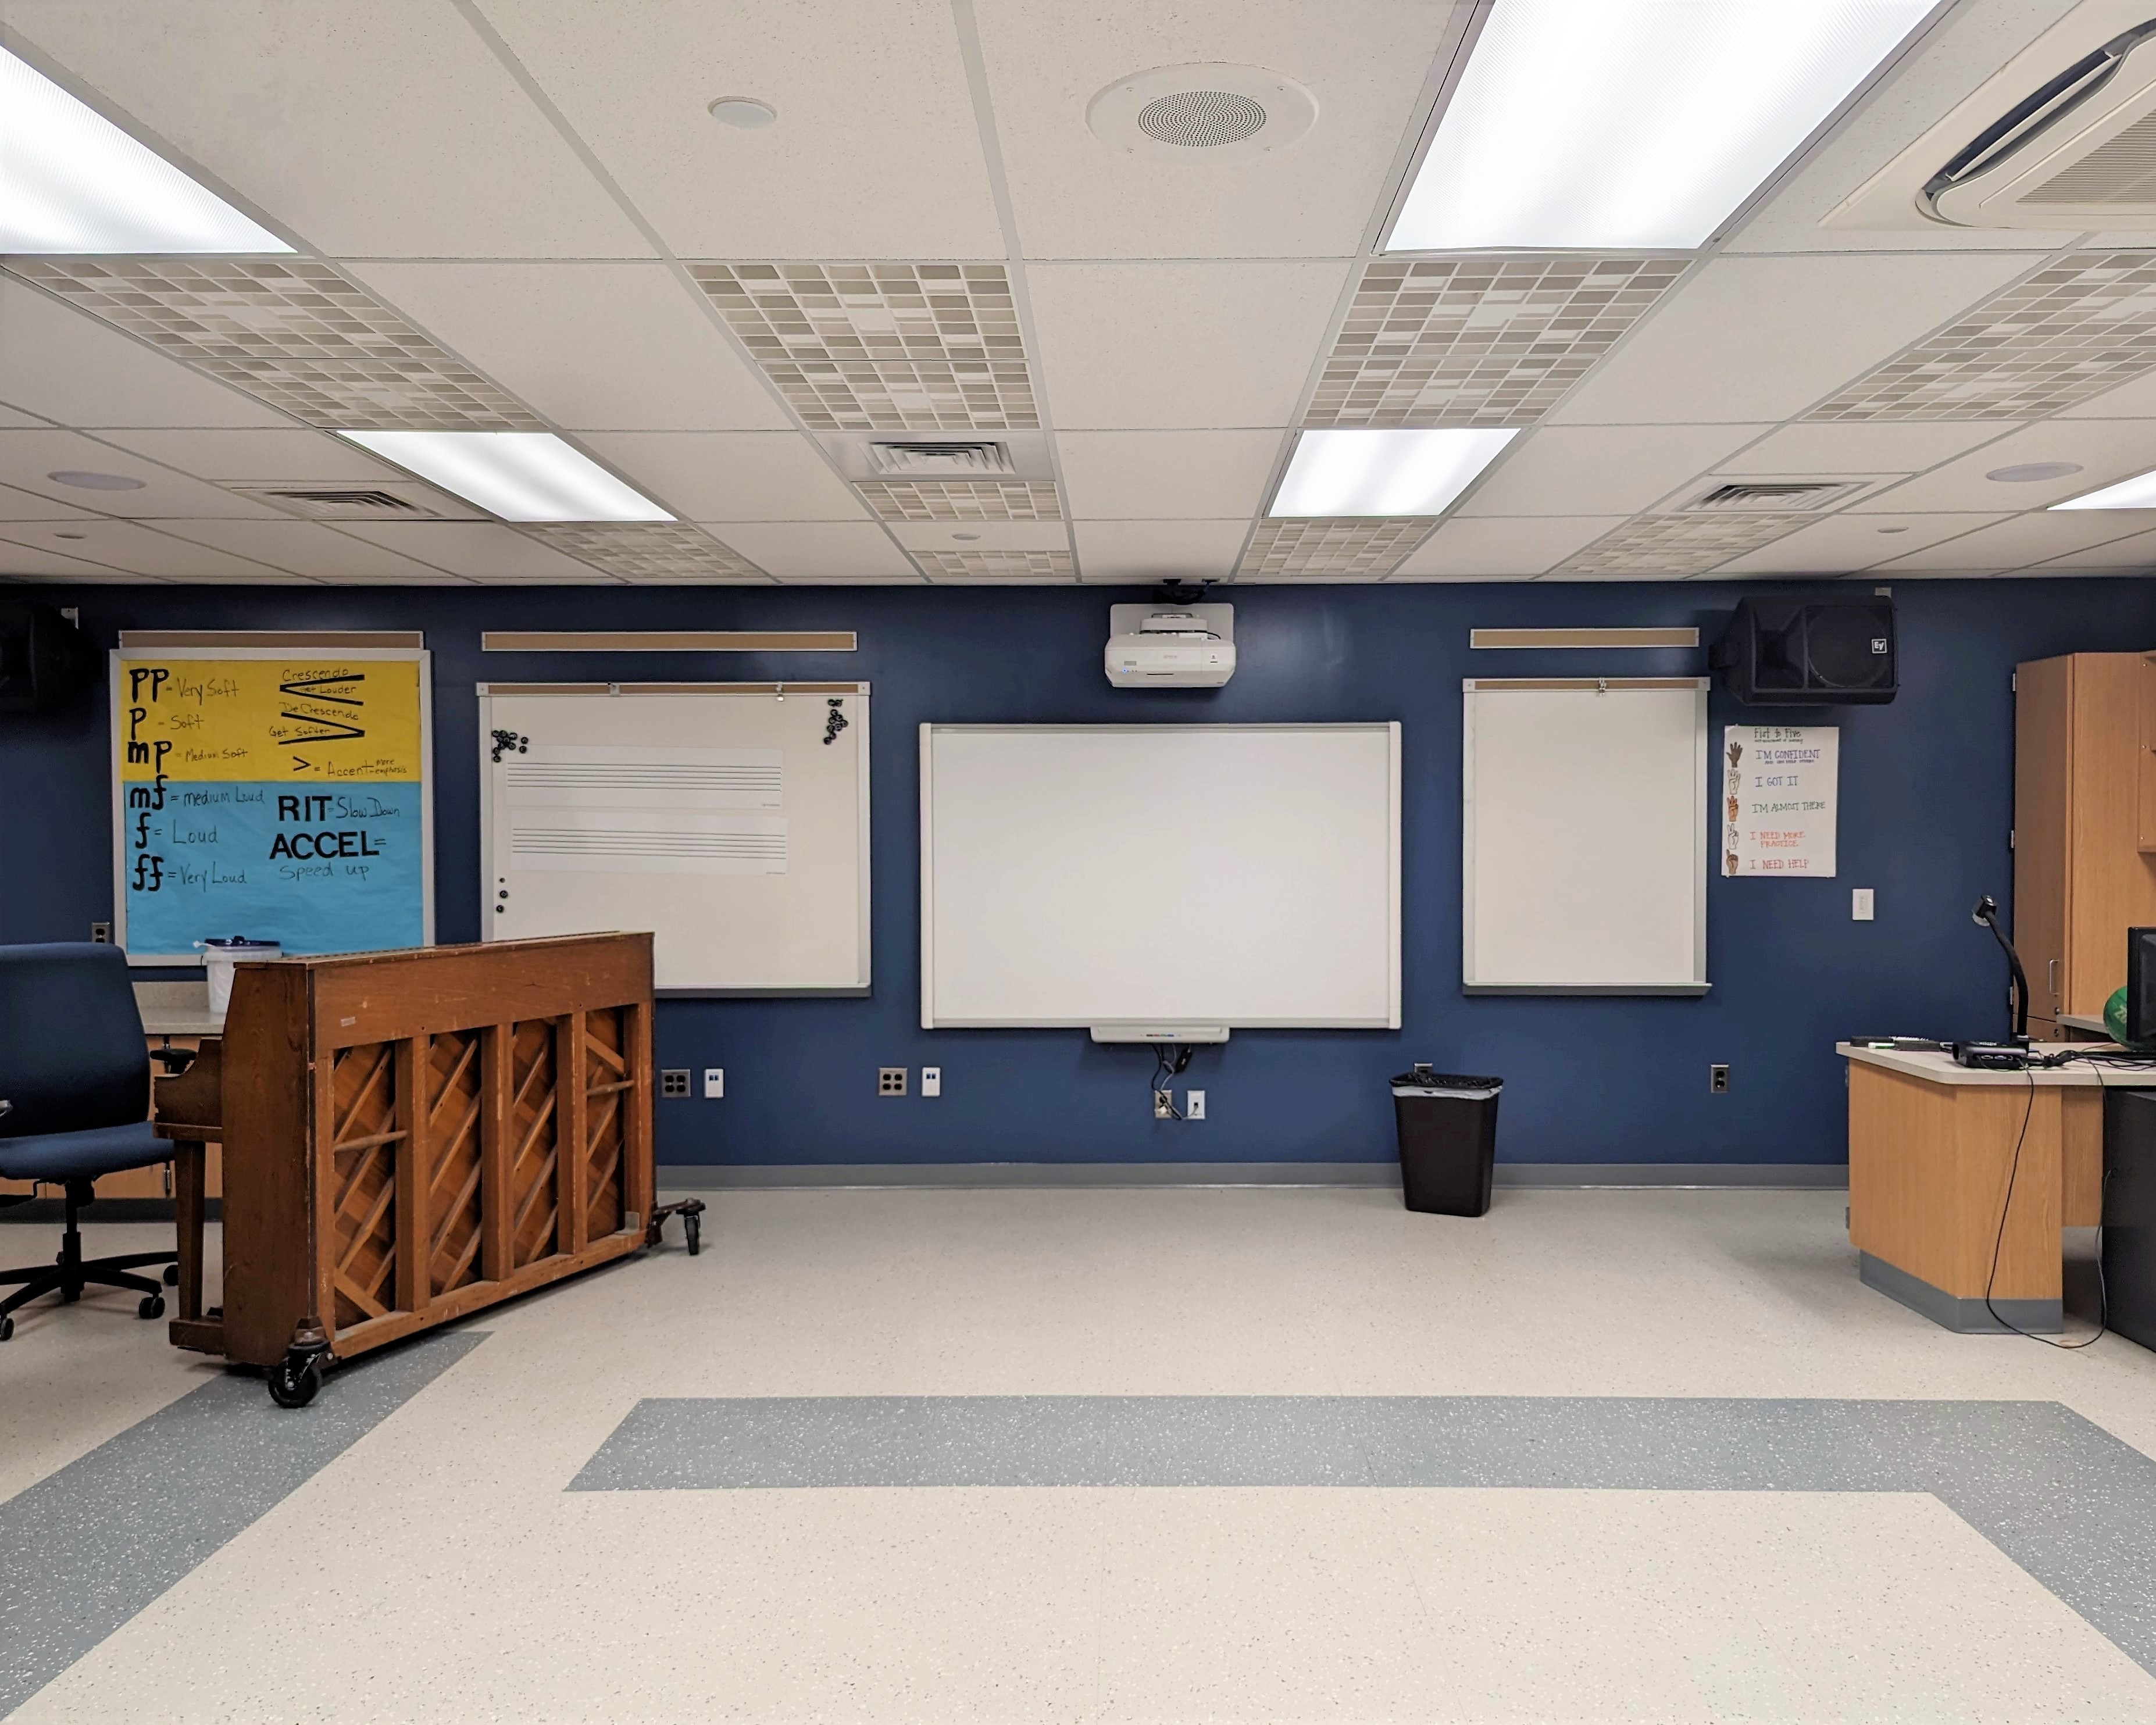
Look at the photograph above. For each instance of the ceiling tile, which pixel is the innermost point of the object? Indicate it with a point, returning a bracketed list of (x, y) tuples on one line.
[(823, 550), (1490, 340), (2106, 450), (961, 500), (1676, 545), (1124, 345), (141, 550), (21, 562), (1842, 543), (307, 548), (964, 536), (1466, 548), (1815, 446), (1764, 338), (647, 550), (382, 130), (1146, 476), (1362, 544), (10, 419), (875, 153), (1044, 566), (2135, 399), (1159, 551), (28, 459), (2023, 542), (882, 347), (482, 551), (293, 332), (2136, 554), (291, 455), (1364, 60), (29, 506), (1600, 469), (592, 346), (2077, 328), (732, 475), (62, 364)]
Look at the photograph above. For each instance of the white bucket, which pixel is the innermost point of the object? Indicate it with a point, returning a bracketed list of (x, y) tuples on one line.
[(219, 958)]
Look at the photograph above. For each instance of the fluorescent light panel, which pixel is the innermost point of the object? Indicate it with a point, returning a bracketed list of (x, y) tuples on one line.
[(73, 183), (2138, 492), (1614, 125), (519, 475), (1380, 473)]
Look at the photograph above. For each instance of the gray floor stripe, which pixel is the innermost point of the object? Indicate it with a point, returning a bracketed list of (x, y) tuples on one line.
[(91, 1545), (2069, 1503)]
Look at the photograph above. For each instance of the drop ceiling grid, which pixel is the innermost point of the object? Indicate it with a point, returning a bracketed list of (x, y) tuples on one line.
[(2081, 325), (1678, 544), (1372, 544), (1488, 340), (1013, 564), (645, 550), (962, 499), (882, 347), (293, 333)]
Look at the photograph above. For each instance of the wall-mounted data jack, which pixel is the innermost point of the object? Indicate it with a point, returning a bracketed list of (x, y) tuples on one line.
[(932, 1081), (1193, 1104)]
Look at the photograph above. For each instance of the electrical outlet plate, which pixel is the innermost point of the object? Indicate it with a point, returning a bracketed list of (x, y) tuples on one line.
[(932, 1081), (1717, 1079), (673, 1082), (715, 1083), (890, 1080), (1163, 1104), (1193, 1104), (101, 933)]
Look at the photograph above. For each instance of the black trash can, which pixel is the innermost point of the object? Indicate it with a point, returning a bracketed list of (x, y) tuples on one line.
[(1448, 1125)]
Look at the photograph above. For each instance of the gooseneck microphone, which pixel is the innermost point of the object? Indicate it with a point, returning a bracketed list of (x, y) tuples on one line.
[(1987, 914)]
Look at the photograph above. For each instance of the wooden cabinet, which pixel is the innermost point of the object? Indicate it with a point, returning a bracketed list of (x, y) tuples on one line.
[(2084, 849)]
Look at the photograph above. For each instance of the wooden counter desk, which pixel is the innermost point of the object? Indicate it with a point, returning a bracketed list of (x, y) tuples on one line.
[(1931, 1150)]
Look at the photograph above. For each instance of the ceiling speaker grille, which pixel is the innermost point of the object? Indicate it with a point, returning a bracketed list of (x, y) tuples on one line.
[(1493, 341), (1201, 118), (1361, 545), (882, 347), (1676, 544), (646, 550), (2071, 330), (962, 499), (296, 335), (1003, 565), (2122, 171)]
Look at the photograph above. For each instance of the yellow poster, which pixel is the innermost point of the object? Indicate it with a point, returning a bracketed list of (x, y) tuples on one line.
[(273, 721)]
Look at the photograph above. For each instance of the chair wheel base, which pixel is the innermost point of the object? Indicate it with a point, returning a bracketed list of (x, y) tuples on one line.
[(7, 1329), (152, 1306), (171, 1275)]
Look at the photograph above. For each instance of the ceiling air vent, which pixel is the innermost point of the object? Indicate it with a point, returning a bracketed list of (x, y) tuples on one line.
[(338, 503), (940, 458), (1774, 496)]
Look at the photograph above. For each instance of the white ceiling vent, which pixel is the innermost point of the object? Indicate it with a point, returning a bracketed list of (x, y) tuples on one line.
[(940, 458), (1775, 496), (2062, 139), (341, 503), (1203, 113)]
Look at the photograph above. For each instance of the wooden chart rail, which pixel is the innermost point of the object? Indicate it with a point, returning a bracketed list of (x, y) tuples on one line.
[(410, 1137)]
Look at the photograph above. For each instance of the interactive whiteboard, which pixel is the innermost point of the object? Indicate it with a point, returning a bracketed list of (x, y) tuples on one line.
[(1585, 836), (1242, 876), (730, 819)]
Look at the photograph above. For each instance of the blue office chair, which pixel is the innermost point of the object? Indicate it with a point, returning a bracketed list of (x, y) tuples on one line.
[(74, 1101)]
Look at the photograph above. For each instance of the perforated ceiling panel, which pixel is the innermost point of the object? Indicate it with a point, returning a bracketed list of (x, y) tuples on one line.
[(2071, 330), (1363, 544), (1677, 544), (1479, 341), (882, 347), (647, 550), (962, 499), (296, 334), (1035, 565)]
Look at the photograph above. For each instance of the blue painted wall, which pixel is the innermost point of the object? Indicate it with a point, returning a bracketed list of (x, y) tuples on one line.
[(1926, 801)]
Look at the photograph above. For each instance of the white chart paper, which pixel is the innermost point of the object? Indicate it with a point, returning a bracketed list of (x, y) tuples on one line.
[(1780, 785)]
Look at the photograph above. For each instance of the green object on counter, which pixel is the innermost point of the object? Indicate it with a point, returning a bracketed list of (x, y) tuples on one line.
[(2114, 1017)]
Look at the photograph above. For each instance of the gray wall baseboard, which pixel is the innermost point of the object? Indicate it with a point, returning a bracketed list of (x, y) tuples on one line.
[(969, 1175)]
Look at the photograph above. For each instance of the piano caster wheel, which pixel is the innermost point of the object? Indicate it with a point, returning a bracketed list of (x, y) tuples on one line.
[(692, 1226), (152, 1306), (293, 1381), (171, 1275)]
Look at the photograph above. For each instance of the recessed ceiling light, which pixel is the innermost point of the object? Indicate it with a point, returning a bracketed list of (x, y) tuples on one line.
[(967, 536), (2138, 492), (1619, 124), (519, 475), (2030, 472), (94, 481), (1893, 529), (70, 535), (1380, 473), (76, 184), (743, 111)]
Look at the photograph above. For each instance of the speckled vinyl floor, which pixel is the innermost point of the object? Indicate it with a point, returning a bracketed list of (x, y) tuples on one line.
[(1466, 1527)]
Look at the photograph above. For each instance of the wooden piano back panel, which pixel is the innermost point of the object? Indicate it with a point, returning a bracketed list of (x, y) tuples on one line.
[(453, 1206), (362, 1169), (533, 1152), (609, 1088)]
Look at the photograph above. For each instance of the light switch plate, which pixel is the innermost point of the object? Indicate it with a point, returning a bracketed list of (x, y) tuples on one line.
[(1859, 904)]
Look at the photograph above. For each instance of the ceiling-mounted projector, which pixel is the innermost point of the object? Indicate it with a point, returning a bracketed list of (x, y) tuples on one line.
[(1171, 646)]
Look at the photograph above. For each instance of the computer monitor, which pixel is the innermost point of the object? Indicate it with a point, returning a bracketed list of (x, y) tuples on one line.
[(2140, 985)]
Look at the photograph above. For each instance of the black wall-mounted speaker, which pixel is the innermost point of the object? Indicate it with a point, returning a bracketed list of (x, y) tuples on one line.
[(45, 661), (1809, 653)]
